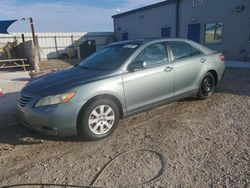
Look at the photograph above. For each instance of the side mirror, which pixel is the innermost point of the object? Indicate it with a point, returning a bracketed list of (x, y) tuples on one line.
[(137, 65)]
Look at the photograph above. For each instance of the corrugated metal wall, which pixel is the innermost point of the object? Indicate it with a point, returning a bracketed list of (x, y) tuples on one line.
[(236, 30), (53, 44), (147, 23), (236, 25)]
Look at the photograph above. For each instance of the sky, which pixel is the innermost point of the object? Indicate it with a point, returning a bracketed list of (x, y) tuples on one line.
[(66, 15)]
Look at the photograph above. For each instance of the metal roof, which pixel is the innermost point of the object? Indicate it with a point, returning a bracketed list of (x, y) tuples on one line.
[(145, 8)]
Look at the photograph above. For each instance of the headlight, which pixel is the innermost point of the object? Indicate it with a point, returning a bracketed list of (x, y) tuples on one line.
[(55, 99)]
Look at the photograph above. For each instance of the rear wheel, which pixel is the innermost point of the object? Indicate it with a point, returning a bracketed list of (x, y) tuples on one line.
[(99, 119), (207, 86)]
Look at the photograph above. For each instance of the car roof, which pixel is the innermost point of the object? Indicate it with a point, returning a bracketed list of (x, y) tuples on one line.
[(153, 40), (128, 42)]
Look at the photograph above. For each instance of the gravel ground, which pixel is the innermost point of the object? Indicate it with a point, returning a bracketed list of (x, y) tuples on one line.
[(54, 64), (204, 144)]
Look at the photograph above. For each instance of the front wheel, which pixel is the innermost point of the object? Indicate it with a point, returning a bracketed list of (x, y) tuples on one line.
[(207, 86), (99, 119)]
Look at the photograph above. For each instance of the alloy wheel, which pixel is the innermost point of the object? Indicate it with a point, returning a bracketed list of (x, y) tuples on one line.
[(207, 86), (101, 119)]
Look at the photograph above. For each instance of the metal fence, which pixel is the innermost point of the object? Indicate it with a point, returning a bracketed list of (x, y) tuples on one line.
[(58, 45)]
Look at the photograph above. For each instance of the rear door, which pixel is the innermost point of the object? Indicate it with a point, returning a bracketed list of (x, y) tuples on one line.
[(152, 84), (188, 62)]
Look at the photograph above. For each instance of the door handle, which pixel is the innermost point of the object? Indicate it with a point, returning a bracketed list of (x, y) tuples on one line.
[(203, 60), (168, 69)]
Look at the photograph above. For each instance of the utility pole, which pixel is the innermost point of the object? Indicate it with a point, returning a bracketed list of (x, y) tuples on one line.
[(36, 50), (33, 32)]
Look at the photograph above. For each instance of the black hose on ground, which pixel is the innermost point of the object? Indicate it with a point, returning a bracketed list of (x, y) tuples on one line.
[(97, 177)]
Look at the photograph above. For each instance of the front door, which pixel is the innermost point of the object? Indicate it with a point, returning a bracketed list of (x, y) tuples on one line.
[(151, 84), (194, 31)]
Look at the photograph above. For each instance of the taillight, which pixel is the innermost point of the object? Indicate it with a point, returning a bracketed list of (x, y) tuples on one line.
[(222, 58)]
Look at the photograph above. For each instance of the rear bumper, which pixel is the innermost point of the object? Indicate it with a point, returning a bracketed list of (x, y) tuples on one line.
[(223, 74), (221, 71)]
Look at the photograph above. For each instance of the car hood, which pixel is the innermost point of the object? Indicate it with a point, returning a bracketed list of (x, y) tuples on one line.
[(64, 80)]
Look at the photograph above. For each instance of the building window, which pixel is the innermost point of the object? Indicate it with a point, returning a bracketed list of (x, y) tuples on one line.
[(197, 2), (213, 32)]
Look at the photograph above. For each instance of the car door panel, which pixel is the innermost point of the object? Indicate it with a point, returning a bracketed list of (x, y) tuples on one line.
[(186, 74), (147, 87), (150, 85), (188, 62)]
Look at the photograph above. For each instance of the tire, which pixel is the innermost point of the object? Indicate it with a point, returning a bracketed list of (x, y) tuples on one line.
[(94, 124), (207, 86)]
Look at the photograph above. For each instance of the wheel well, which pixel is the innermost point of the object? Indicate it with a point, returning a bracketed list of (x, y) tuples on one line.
[(106, 96), (214, 73)]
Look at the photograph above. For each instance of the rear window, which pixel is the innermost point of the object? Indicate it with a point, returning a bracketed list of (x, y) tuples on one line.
[(183, 50), (196, 51)]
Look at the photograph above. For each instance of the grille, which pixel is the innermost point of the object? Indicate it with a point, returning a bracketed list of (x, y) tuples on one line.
[(24, 101)]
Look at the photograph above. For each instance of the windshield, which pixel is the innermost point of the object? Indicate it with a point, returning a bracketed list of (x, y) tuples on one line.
[(109, 58)]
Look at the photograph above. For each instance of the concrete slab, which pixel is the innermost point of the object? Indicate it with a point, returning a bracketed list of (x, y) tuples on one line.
[(14, 76), (11, 82)]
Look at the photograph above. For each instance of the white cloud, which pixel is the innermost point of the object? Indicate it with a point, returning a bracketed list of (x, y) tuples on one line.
[(50, 17)]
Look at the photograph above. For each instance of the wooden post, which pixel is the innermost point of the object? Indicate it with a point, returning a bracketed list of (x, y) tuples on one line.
[(72, 44), (23, 39), (9, 54), (70, 56), (33, 31), (38, 52), (23, 65), (78, 52), (72, 39), (23, 50), (56, 45)]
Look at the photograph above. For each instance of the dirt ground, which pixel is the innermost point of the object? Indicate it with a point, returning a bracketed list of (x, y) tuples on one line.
[(54, 64), (204, 144)]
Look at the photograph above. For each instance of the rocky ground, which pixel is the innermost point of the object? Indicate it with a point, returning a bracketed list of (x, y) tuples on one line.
[(204, 144), (54, 64)]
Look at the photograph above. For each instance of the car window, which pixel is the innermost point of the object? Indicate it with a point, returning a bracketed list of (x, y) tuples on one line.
[(109, 58), (180, 50), (183, 50), (196, 52), (153, 55)]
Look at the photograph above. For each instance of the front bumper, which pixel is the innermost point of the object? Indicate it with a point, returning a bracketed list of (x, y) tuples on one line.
[(59, 119)]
